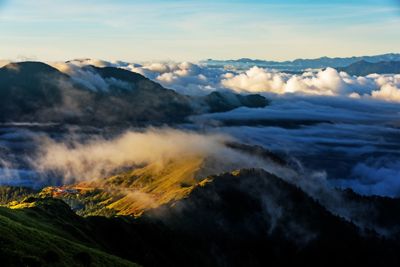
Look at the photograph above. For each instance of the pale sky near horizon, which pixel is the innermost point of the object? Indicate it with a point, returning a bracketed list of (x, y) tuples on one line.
[(139, 30)]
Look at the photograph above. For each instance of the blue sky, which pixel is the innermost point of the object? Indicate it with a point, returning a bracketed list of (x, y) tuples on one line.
[(140, 30)]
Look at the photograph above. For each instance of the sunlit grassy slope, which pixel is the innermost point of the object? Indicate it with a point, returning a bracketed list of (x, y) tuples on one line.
[(247, 217), (46, 234), (132, 192)]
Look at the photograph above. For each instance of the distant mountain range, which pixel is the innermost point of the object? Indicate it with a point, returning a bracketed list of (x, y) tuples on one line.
[(363, 68), (302, 64), (37, 92)]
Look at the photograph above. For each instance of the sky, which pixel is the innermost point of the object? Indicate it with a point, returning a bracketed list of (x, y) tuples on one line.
[(179, 30)]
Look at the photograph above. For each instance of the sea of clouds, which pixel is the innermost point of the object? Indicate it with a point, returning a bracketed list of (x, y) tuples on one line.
[(197, 79), (352, 142), (358, 144)]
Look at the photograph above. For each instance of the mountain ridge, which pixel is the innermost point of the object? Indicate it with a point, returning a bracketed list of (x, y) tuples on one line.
[(37, 92), (302, 64), (240, 218), (364, 68)]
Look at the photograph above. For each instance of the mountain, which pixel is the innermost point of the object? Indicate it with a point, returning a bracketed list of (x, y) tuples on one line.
[(363, 68), (131, 192), (247, 217), (36, 92), (45, 232), (149, 186), (10, 193), (224, 101), (27, 87), (250, 217), (302, 64), (134, 98)]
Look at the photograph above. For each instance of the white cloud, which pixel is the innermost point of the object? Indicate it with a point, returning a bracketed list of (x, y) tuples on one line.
[(200, 79), (195, 79), (100, 157), (324, 82), (256, 80), (185, 77), (387, 92), (87, 78)]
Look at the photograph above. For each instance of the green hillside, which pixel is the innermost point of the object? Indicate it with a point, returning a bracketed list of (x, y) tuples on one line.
[(41, 232), (243, 218)]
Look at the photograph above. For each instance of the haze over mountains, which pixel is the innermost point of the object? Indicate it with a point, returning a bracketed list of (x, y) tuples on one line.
[(305, 107), (215, 163), (34, 91), (203, 78), (362, 68), (303, 64), (221, 133)]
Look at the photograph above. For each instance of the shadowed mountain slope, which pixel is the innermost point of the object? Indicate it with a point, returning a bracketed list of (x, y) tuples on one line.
[(36, 92), (45, 232), (244, 218)]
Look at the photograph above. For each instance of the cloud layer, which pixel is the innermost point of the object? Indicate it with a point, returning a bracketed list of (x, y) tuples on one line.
[(324, 82), (77, 160), (376, 176), (334, 135), (199, 79), (99, 157), (353, 119)]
